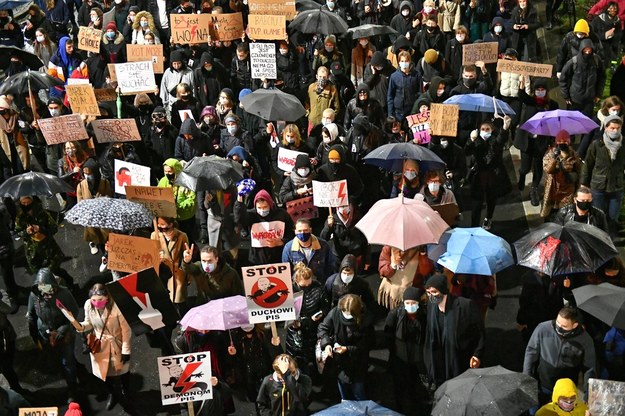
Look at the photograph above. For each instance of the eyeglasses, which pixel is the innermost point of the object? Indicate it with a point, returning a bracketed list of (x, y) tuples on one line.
[(158, 116), (100, 292)]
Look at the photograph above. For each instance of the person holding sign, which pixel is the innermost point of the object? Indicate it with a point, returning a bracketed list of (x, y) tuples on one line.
[(299, 183), (174, 75), (337, 169), (71, 169), (291, 140), (94, 186)]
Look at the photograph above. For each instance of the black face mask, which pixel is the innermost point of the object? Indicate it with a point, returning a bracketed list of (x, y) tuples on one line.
[(334, 167), (171, 176), (145, 108), (469, 82), (584, 205), (563, 147), (563, 332), (26, 208)]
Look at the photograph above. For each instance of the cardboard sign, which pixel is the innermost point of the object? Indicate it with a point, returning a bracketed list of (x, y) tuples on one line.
[(286, 158), (302, 208), (262, 232), (105, 94), (527, 69), (82, 100), (154, 53), (263, 60), (330, 194), (135, 77), (185, 378), (127, 173), (266, 27), (116, 130), (190, 28), (273, 7), (487, 52), (38, 411), (227, 26), (444, 119), (448, 212), (132, 254), (606, 397), (77, 81), (62, 129), (89, 39), (143, 300), (160, 201), (185, 114), (420, 126), (269, 292)]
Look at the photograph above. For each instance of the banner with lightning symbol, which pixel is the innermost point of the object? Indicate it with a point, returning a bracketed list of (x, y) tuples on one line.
[(185, 378), (330, 194)]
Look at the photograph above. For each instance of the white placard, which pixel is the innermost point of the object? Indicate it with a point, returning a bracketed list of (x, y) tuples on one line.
[(286, 158), (135, 77), (330, 194), (127, 173), (262, 232), (185, 378), (263, 60), (269, 292)]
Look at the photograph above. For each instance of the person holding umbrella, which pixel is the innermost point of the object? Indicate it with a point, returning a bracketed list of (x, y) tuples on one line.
[(94, 186), (184, 198), (10, 31), (399, 270), (409, 183)]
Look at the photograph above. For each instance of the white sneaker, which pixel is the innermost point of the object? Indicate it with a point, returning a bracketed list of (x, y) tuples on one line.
[(93, 247), (103, 265)]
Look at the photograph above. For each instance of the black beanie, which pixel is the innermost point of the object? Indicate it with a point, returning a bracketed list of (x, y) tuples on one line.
[(412, 293), (438, 281), (302, 161)]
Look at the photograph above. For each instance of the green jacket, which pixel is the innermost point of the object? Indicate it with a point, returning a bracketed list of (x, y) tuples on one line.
[(184, 198)]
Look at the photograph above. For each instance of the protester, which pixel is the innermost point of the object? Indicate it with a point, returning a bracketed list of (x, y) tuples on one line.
[(285, 391)]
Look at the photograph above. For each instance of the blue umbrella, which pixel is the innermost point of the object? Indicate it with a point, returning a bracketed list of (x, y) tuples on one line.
[(472, 251), (481, 103), (357, 408), (392, 156), (12, 4)]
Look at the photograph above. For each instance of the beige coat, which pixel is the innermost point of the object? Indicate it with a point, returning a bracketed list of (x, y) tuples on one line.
[(449, 16), (94, 235), (172, 258), (20, 145), (116, 340)]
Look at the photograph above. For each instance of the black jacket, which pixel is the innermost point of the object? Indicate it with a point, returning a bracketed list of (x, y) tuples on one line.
[(273, 395), (595, 217), (161, 144), (582, 80), (601, 173), (406, 336)]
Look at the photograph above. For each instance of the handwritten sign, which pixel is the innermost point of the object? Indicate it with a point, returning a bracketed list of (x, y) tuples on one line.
[(105, 94), (38, 411), (269, 292), (82, 100), (286, 158), (227, 26), (135, 77), (116, 130), (444, 119), (487, 52), (62, 129), (606, 397), (189, 28), (132, 254), (263, 232), (263, 60), (185, 378), (525, 68), (273, 7), (266, 27), (330, 194), (159, 201), (89, 39), (127, 173), (420, 126), (154, 53)]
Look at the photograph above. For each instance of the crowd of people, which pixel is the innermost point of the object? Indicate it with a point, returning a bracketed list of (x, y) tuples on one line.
[(358, 94)]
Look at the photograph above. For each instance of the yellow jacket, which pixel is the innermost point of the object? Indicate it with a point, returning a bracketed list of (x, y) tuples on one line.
[(563, 388)]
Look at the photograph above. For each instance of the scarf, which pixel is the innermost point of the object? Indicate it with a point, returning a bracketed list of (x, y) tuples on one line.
[(8, 125), (299, 181), (612, 145)]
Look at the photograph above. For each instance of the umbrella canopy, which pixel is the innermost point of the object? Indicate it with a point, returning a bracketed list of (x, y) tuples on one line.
[(472, 251), (549, 123), (402, 223), (303, 5), (318, 21), (18, 84), (492, 391), (556, 249), (110, 213), (34, 183), (12, 4), (357, 408), (208, 173), (217, 315), (368, 30), (273, 105), (31, 60), (605, 302), (392, 156), (480, 102)]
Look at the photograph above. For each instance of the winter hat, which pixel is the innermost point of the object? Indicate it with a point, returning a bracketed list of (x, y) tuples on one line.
[(73, 410), (209, 110), (582, 27), (378, 59), (336, 68), (334, 154), (112, 26), (264, 195), (244, 92), (331, 39), (135, 9), (231, 117), (438, 281), (430, 56), (563, 136), (412, 293), (228, 92), (238, 151), (302, 161), (612, 118), (511, 52), (333, 130), (55, 100), (176, 56), (207, 58), (541, 83)]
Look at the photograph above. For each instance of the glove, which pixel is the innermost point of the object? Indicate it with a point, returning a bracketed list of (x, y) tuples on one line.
[(125, 358), (506, 122), (493, 303), (558, 74), (474, 135)]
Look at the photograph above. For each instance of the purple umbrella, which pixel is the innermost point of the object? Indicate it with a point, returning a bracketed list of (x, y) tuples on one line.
[(549, 123), (218, 315)]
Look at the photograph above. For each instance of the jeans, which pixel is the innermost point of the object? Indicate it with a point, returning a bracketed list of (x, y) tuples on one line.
[(352, 391), (608, 202)]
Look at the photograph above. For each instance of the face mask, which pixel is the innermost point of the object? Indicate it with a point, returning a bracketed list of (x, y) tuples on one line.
[(99, 304), (330, 49), (427, 9), (410, 308), (208, 267), (303, 236), (55, 112), (144, 24), (41, 39), (522, 6), (566, 406), (330, 5), (26, 208), (110, 35), (613, 112), (410, 174), (580, 35), (435, 299), (89, 178), (303, 172), (248, 328), (498, 29), (444, 144), (563, 147), (485, 135), (70, 152), (232, 130), (93, 19), (434, 187), (262, 212), (290, 139), (405, 12), (170, 176), (541, 94), (347, 315), (326, 139), (440, 92), (614, 134), (469, 82), (347, 278), (584, 205), (284, 51), (322, 82), (334, 167), (404, 65), (460, 38), (118, 1), (364, 43), (563, 332), (164, 229), (45, 289)]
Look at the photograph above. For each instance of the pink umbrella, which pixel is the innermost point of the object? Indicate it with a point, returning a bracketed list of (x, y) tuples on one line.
[(218, 315), (402, 223)]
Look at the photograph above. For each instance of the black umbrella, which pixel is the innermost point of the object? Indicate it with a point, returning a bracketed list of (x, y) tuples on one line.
[(319, 21), (556, 249), (31, 60), (273, 105), (208, 173), (34, 183), (393, 155), (19, 83), (605, 302), (303, 5), (368, 30)]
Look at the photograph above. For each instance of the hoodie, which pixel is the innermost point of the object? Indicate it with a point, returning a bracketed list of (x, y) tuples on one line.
[(563, 388), (330, 172), (403, 24), (183, 197), (198, 145), (583, 77)]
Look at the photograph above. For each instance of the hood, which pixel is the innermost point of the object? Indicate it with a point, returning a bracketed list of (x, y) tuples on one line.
[(206, 58), (363, 87), (498, 20), (586, 43), (44, 276), (94, 166), (263, 194), (333, 130), (362, 124), (434, 85), (174, 164), (404, 4), (401, 43), (136, 25), (240, 152), (424, 100), (189, 127), (564, 387), (348, 261), (341, 149)]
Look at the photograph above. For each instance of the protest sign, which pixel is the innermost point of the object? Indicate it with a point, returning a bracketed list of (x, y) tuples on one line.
[(105, 94), (62, 129), (263, 232), (286, 158), (266, 27), (227, 26), (606, 397), (82, 100), (330, 194), (302, 207), (127, 173), (159, 201), (132, 254), (444, 119), (190, 28), (185, 378), (77, 81), (263, 60), (185, 114), (273, 7), (269, 292), (420, 126), (154, 53), (38, 411), (527, 69), (448, 212), (89, 39), (135, 77), (487, 52), (143, 300), (116, 130)]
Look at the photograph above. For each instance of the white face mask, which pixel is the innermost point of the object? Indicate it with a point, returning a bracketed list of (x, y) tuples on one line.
[(41, 39), (344, 211), (232, 130), (410, 174), (440, 92), (498, 29), (460, 38), (363, 43), (118, 1), (405, 12), (262, 212), (93, 19), (326, 121), (347, 315), (427, 9), (613, 112), (346, 278), (434, 187), (444, 144), (326, 139), (284, 51), (290, 139), (303, 172), (55, 112), (580, 35), (208, 267)]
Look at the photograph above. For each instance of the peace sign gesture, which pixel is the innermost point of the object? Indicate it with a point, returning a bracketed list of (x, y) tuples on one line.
[(188, 253)]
